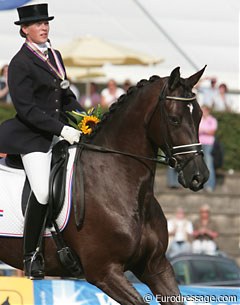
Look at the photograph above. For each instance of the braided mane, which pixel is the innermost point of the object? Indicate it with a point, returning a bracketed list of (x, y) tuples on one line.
[(121, 100)]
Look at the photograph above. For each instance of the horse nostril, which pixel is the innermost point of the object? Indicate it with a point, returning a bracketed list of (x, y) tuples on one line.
[(196, 181)]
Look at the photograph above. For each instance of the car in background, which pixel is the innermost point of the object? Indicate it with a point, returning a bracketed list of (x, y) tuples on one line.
[(6, 270), (207, 270), (202, 270)]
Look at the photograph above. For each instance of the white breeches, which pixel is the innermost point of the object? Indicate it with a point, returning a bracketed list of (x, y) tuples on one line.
[(37, 167)]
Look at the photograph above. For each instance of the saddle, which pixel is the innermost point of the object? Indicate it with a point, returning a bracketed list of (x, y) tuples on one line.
[(60, 156), (57, 179)]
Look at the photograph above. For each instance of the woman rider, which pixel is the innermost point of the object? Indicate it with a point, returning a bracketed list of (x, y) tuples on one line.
[(40, 93)]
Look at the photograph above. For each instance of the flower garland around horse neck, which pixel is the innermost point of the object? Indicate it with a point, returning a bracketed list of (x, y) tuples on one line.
[(85, 121)]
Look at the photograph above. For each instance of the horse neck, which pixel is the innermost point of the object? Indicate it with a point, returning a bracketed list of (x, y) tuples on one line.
[(125, 128)]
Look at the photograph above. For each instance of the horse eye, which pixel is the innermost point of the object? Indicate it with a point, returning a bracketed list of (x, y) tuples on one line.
[(174, 120)]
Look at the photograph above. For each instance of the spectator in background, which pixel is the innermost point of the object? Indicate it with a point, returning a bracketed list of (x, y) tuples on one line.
[(110, 94), (205, 233), (222, 102), (126, 85), (207, 130), (94, 99), (172, 178), (180, 231), (207, 87), (4, 91)]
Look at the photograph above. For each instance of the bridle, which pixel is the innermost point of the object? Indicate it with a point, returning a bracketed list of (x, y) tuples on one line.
[(171, 152), (195, 148)]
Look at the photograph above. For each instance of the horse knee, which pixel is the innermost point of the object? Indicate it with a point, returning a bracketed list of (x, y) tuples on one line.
[(97, 275), (157, 267), (113, 282)]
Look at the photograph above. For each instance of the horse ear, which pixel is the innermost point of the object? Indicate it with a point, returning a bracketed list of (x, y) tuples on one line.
[(192, 80), (174, 78)]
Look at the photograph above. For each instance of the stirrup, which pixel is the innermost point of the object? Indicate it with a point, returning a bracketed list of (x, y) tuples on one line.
[(34, 265), (70, 261)]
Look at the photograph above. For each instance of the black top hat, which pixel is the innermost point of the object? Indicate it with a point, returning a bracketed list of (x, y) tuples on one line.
[(33, 13)]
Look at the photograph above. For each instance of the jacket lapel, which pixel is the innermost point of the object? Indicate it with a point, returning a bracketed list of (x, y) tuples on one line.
[(38, 61)]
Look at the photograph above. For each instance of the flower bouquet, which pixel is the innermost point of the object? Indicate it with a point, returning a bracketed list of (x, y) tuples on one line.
[(85, 121)]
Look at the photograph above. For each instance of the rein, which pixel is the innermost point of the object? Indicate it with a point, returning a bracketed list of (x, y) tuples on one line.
[(119, 152), (177, 150)]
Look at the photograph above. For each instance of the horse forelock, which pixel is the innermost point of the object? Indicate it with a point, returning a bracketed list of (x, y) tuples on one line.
[(121, 101)]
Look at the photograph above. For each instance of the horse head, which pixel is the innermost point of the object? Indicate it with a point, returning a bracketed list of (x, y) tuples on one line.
[(174, 125)]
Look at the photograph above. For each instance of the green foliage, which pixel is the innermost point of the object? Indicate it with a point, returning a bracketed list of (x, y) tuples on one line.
[(228, 133), (6, 112)]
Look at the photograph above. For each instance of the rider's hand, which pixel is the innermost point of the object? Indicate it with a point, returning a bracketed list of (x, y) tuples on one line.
[(70, 134)]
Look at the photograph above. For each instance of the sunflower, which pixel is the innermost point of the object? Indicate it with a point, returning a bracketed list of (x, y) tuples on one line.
[(85, 121), (88, 123)]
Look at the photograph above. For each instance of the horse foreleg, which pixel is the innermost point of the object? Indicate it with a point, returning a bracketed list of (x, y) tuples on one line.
[(159, 277), (112, 281)]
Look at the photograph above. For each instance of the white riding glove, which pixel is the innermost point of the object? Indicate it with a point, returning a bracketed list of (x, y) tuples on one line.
[(70, 134)]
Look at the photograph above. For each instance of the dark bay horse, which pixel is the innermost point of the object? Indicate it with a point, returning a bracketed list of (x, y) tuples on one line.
[(124, 226)]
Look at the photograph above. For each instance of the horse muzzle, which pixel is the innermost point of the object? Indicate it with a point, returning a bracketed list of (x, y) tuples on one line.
[(194, 175), (189, 163)]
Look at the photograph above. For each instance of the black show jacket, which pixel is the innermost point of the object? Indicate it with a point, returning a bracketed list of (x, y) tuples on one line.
[(39, 101)]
